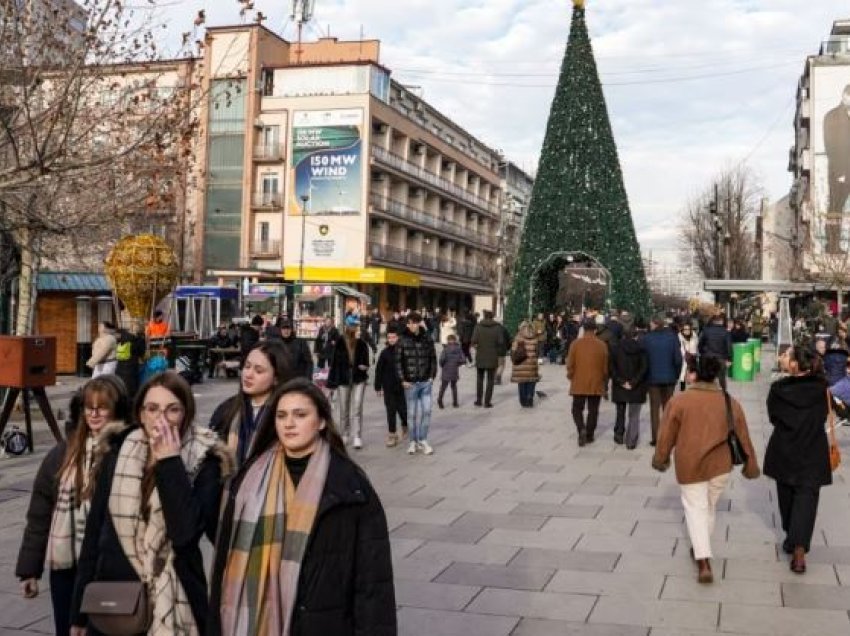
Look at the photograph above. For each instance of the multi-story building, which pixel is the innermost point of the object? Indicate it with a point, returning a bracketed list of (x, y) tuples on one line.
[(516, 187), (820, 157), (322, 170)]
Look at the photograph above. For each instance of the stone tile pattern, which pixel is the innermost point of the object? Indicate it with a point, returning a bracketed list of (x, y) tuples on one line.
[(511, 529)]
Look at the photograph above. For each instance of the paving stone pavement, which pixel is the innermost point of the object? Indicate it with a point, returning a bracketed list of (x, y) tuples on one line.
[(511, 529)]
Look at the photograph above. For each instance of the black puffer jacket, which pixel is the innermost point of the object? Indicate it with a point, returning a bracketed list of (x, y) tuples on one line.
[(344, 372), (190, 510), (417, 358), (40, 515), (798, 450), (629, 363), (715, 341), (346, 582)]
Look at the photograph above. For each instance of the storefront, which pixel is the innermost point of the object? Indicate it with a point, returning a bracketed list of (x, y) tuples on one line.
[(314, 303)]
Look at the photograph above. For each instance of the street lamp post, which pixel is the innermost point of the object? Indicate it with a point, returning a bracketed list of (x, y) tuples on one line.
[(304, 199)]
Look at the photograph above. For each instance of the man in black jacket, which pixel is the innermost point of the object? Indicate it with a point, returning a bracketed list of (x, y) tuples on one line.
[(716, 342), (416, 366), (388, 385), (300, 358), (489, 342), (325, 342)]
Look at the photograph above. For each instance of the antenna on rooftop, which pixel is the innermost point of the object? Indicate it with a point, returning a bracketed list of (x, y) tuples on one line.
[(302, 13)]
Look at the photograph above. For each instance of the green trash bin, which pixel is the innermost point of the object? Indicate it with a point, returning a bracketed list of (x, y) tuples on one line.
[(742, 361), (756, 342)]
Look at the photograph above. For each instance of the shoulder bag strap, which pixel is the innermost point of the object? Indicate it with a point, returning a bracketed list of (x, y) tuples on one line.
[(830, 418), (729, 420)]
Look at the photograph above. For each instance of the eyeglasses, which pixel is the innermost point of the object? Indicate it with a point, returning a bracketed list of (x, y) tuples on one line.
[(95, 410), (172, 413)]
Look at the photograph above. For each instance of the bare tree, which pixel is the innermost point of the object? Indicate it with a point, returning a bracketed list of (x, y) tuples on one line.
[(96, 131), (723, 242)]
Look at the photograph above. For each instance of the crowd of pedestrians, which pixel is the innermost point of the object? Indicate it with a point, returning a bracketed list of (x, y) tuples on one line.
[(300, 537)]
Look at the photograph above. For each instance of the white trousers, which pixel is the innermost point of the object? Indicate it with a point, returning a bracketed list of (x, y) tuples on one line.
[(700, 501), (104, 368), (350, 402)]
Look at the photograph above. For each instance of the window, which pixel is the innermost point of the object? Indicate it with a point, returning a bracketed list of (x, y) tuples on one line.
[(270, 184), (263, 232), (271, 135), (267, 82)]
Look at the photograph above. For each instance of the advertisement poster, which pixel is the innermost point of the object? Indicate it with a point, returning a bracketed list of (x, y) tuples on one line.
[(326, 167), (831, 144)]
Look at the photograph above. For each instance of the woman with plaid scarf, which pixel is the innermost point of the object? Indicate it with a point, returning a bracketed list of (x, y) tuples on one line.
[(157, 495), (61, 496), (303, 547)]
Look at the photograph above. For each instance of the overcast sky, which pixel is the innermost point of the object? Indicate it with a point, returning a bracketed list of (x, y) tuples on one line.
[(691, 85)]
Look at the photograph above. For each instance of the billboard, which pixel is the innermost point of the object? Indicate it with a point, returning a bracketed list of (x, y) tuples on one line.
[(830, 176), (326, 171)]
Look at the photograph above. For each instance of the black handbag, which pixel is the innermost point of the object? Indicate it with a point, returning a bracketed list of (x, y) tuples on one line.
[(735, 447), (519, 354)]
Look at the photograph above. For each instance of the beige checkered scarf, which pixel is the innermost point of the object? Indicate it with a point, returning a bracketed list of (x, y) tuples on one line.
[(146, 543), (68, 524)]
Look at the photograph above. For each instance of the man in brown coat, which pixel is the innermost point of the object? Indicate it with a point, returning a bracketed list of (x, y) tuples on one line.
[(587, 370)]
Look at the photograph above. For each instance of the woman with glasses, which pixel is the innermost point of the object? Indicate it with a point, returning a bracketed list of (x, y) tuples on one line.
[(319, 563), (235, 420), (157, 494), (61, 497)]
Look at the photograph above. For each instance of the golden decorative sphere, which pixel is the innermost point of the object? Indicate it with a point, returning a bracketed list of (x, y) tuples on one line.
[(579, 3), (142, 270)]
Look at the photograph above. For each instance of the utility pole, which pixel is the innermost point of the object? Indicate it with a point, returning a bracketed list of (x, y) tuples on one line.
[(302, 13), (718, 230), (304, 199)]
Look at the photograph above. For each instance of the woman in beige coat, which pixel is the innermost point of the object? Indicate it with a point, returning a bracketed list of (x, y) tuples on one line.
[(103, 360), (527, 373), (695, 423)]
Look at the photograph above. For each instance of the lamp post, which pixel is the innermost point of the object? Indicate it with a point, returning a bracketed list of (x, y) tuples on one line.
[(304, 199)]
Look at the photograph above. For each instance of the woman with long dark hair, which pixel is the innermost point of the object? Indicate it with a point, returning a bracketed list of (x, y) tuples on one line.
[(61, 497), (319, 564), (157, 494), (348, 375), (235, 420), (797, 454)]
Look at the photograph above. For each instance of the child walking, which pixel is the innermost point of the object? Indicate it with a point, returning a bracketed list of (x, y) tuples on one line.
[(451, 359)]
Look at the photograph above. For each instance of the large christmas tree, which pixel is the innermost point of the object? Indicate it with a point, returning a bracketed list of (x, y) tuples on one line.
[(579, 211)]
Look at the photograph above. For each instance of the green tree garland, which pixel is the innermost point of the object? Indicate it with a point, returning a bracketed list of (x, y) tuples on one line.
[(579, 201)]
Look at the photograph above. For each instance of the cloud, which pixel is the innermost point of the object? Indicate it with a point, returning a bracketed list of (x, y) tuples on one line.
[(691, 86)]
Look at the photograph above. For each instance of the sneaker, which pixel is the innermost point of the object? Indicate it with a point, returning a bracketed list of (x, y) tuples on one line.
[(392, 440), (426, 448), (411, 448), (358, 443)]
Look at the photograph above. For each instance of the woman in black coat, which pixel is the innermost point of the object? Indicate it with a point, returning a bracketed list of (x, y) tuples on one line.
[(629, 367), (344, 569), (61, 496), (157, 494), (348, 375), (797, 454)]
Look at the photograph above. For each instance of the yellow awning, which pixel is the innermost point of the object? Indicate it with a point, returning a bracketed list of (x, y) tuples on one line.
[(366, 275)]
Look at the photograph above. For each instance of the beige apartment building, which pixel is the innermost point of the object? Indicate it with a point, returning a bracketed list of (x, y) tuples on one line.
[(321, 171)]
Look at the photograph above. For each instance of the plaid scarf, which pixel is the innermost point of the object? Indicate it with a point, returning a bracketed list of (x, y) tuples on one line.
[(146, 543), (272, 521), (68, 524)]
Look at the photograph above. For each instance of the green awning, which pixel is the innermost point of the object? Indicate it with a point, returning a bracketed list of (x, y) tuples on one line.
[(72, 282)]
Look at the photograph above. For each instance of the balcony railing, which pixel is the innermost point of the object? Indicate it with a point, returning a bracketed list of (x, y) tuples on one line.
[(272, 200), (268, 152), (400, 163), (392, 254), (404, 212), (265, 248)]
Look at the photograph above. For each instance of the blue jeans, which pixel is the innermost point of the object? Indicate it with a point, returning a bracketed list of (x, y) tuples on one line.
[(526, 393), (418, 398)]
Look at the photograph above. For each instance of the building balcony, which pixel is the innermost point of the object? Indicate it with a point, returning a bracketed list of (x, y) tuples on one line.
[(427, 262), (267, 200), (403, 212), (265, 248), (429, 178), (269, 152)]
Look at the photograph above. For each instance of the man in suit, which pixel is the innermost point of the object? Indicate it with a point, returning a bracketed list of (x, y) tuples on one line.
[(836, 136)]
